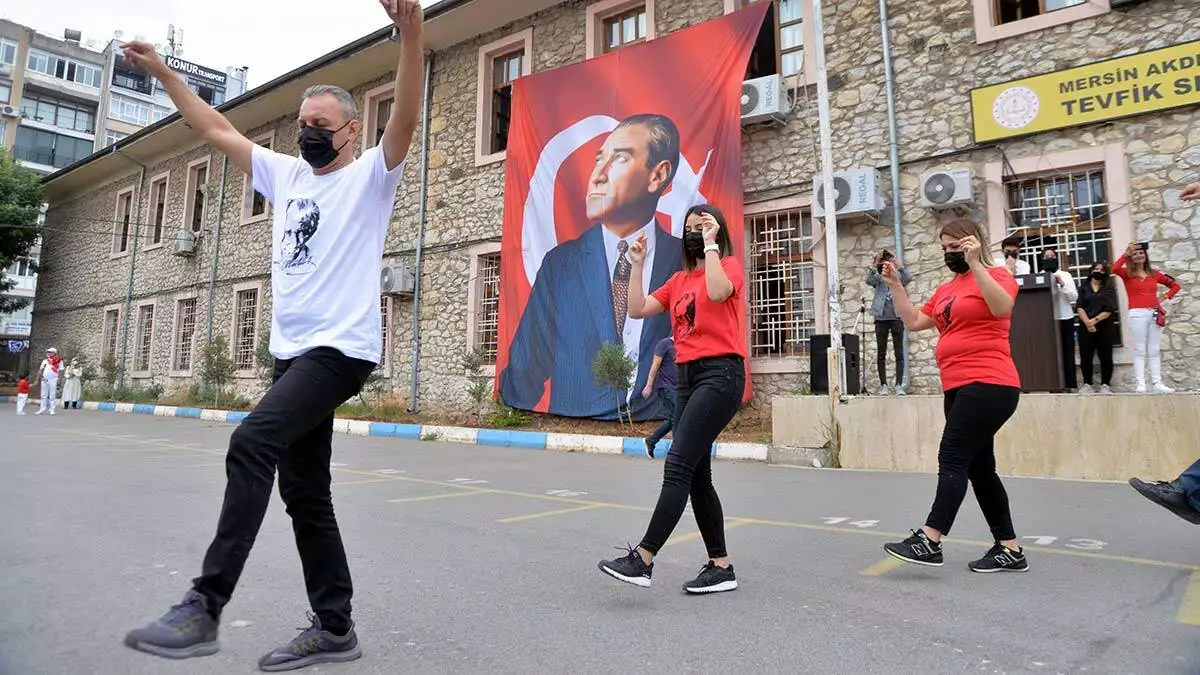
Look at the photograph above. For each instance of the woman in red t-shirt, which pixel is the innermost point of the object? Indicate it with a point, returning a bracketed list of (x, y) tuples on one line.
[(981, 385), (710, 351), (1145, 307)]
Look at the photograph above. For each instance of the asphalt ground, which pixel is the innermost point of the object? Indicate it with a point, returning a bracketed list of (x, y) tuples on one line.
[(471, 559)]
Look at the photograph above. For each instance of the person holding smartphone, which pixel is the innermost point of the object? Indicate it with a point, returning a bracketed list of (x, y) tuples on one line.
[(971, 314), (1146, 314), (887, 322)]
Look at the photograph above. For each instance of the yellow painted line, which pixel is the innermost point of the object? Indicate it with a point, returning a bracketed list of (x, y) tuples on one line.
[(361, 482), (730, 523), (1189, 609), (547, 514), (882, 567), (443, 495)]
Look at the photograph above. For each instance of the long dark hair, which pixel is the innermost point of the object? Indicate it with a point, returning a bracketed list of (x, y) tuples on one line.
[(1108, 284), (724, 245), (1145, 266)]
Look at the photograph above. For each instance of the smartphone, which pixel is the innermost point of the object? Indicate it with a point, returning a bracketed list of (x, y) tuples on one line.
[(1144, 245)]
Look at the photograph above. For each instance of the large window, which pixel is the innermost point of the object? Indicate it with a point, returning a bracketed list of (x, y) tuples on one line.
[(1067, 212), (49, 148), (254, 204), (112, 324), (1008, 11), (505, 70), (63, 68), (62, 114), (780, 47), (22, 267), (123, 225), (383, 112), (197, 187), (626, 28), (185, 335), (486, 304), (145, 333), (245, 329), (158, 208), (8, 52), (129, 110), (5, 92), (782, 301)]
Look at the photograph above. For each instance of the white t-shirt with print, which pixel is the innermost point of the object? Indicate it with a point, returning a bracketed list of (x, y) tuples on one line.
[(327, 244), (47, 371)]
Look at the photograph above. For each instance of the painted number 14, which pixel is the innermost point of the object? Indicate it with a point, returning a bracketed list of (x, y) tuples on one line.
[(852, 523), (1081, 544)]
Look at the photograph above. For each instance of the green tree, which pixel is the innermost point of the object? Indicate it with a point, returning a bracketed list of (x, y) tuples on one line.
[(613, 368), (216, 365), (480, 389), (20, 202)]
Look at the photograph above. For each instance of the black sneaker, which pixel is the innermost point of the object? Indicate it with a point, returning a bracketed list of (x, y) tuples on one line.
[(185, 631), (631, 569), (1000, 559), (313, 645), (917, 549), (1169, 496), (650, 449), (712, 579)]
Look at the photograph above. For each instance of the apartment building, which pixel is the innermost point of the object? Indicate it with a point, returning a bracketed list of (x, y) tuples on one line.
[(194, 238)]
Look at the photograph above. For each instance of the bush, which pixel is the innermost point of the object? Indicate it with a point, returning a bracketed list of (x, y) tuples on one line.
[(199, 396), (151, 393), (613, 368), (509, 418), (480, 389)]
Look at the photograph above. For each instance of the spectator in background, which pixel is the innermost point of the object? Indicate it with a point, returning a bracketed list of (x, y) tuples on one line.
[(1010, 258), (662, 377), (887, 321), (1065, 296), (1146, 314), (1097, 310)]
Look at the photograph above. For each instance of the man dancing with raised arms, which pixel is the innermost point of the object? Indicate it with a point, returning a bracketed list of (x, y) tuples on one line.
[(325, 337)]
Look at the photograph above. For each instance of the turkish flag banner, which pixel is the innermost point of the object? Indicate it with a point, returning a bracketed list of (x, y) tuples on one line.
[(600, 153)]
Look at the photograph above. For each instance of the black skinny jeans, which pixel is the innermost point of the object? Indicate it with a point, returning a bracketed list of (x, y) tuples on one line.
[(710, 393), (1098, 344), (291, 428), (895, 328), (974, 413)]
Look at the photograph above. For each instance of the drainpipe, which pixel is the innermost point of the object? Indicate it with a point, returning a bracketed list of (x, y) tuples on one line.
[(894, 159), (415, 405), (136, 233), (212, 280)]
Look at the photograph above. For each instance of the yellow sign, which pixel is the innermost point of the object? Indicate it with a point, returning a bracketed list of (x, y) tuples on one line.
[(1129, 85)]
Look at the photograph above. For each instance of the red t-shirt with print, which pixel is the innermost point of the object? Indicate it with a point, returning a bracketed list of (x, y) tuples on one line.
[(704, 328), (973, 345)]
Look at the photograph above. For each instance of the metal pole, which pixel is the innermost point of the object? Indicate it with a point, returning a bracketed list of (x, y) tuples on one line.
[(136, 233), (894, 159), (837, 374), (212, 279), (414, 395)]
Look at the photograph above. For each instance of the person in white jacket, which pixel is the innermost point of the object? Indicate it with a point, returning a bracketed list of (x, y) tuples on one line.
[(1065, 295), (47, 376), (72, 391)]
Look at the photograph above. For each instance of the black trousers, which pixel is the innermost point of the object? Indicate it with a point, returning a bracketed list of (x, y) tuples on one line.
[(1098, 344), (291, 428), (710, 394), (895, 328), (974, 413), (1066, 331), (668, 397)]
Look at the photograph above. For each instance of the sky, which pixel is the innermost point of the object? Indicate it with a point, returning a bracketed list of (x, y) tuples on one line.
[(272, 37)]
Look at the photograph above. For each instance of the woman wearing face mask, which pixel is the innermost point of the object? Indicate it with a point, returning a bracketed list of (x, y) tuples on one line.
[(1146, 315), (710, 350), (1065, 295), (971, 313), (1097, 308)]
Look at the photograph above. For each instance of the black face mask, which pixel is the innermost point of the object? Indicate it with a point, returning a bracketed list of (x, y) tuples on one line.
[(693, 243), (316, 145), (957, 262), (1050, 266), (1099, 276), (1010, 254)]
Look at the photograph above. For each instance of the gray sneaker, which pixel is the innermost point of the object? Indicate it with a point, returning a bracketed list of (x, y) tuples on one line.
[(313, 645), (185, 631)]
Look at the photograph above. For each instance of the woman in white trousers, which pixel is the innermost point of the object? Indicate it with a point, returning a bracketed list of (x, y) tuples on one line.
[(1146, 314)]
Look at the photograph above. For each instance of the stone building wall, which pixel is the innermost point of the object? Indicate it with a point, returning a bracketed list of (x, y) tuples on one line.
[(937, 63)]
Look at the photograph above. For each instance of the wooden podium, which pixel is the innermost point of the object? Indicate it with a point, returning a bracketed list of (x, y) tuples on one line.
[(1034, 337)]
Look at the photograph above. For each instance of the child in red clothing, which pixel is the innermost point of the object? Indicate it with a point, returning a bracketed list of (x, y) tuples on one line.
[(22, 394)]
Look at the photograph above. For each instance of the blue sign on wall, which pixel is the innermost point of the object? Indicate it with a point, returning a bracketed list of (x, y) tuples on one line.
[(17, 346)]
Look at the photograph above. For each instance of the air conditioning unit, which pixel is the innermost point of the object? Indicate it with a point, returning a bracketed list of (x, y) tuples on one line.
[(946, 189), (855, 191), (397, 279), (185, 244), (9, 111), (764, 99)]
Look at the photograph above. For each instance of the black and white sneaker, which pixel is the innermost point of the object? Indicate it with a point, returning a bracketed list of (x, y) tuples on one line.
[(712, 579), (917, 549), (650, 449), (1000, 559), (631, 568)]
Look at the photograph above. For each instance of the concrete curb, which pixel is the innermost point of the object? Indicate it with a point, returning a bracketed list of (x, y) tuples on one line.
[(530, 440)]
